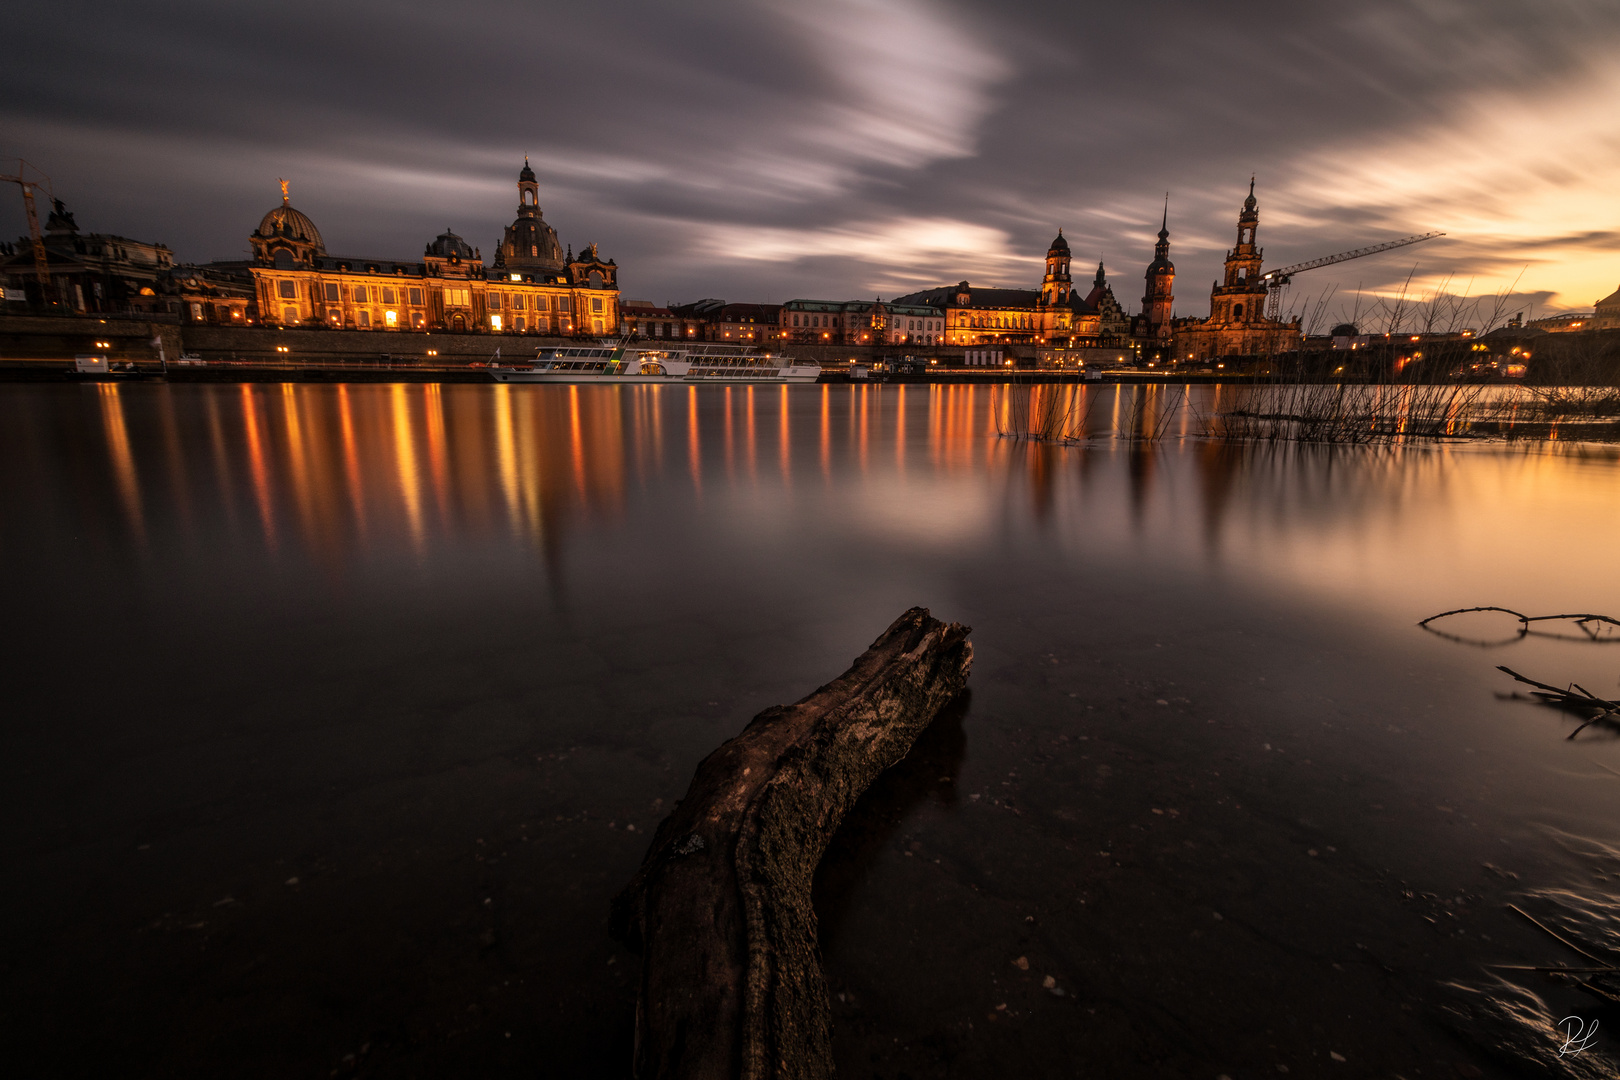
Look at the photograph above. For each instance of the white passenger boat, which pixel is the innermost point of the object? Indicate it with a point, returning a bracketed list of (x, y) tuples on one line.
[(651, 365)]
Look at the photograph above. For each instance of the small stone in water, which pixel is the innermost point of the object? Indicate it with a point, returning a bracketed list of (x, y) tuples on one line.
[(1048, 982), (1022, 963), (1335, 1055)]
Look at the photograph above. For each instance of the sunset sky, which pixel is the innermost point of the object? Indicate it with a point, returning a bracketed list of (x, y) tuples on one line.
[(847, 148)]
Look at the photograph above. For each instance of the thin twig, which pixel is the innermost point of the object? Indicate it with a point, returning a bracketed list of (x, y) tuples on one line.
[(1555, 935)]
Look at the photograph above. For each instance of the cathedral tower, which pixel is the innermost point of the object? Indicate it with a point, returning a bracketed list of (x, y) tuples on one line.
[(1159, 298)]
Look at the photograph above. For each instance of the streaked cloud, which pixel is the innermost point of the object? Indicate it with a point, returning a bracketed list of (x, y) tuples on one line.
[(758, 149)]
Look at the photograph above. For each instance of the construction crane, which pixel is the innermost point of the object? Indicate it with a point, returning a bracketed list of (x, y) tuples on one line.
[(1277, 280), (42, 270)]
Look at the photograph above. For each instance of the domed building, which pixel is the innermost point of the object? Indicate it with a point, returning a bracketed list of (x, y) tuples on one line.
[(533, 290), (450, 247), (530, 245), (286, 238)]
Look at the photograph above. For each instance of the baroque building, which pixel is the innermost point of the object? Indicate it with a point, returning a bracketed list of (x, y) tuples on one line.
[(530, 289), (1237, 323), (1051, 315), (85, 273), (1113, 325)]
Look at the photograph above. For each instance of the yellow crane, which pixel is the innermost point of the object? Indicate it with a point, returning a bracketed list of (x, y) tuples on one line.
[(42, 269)]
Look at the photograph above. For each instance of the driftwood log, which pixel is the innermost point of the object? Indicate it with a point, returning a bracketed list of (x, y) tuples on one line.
[(731, 980)]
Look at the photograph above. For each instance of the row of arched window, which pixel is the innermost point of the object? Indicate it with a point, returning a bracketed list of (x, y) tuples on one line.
[(1001, 322)]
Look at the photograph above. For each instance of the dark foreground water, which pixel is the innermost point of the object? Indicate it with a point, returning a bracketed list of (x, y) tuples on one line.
[(334, 717)]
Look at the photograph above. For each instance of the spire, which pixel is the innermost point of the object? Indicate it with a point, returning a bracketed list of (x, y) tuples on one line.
[(1250, 203), (1164, 225), (1101, 278)]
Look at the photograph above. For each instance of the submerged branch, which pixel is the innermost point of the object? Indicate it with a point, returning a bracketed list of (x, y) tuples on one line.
[(731, 980)]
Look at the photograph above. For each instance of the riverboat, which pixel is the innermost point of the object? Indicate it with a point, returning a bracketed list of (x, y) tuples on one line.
[(651, 365)]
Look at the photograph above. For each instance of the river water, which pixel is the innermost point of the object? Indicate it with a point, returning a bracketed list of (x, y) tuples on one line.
[(337, 714)]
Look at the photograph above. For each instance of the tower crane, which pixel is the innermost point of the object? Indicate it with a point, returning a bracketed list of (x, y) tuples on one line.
[(1277, 280), (42, 271)]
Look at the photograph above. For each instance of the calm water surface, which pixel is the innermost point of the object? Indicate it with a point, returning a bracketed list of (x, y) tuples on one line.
[(337, 714)]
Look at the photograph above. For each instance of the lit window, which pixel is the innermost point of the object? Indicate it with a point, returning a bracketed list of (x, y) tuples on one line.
[(596, 304), (517, 303), (196, 312), (391, 317), (289, 315), (418, 320), (335, 316), (494, 322), (365, 318), (518, 324)]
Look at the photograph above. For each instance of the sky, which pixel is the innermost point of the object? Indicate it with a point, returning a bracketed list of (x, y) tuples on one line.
[(763, 150)]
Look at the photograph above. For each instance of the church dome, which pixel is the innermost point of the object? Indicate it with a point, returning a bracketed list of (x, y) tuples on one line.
[(1059, 244), (448, 245), (527, 174), (286, 222)]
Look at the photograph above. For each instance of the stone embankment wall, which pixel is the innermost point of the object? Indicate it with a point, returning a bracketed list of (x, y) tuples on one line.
[(26, 337)]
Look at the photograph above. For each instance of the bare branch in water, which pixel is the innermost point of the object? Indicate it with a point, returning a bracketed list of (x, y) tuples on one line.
[(1593, 628)]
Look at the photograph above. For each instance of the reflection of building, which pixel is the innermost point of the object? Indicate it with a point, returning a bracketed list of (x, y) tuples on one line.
[(860, 322), (531, 289), (1237, 323), (1053, 314), (89, 273), (1607, 313)]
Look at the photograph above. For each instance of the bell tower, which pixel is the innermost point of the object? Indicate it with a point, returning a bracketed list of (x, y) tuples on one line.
[(528, 190), (1159, 299), (1241, 296), (1055, 288), (529, 244)]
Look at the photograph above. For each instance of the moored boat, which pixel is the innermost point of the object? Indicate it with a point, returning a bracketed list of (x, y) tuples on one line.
[(647, 365)]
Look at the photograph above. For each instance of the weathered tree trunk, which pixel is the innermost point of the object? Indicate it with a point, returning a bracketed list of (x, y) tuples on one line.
[(731, 981)]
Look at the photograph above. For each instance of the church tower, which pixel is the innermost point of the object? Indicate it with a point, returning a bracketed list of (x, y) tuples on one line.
[(1159, 298), (1056, 287), (1241, 298), (530, 244)]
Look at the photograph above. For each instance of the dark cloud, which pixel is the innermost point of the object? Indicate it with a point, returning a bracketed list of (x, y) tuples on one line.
[(770, 149)]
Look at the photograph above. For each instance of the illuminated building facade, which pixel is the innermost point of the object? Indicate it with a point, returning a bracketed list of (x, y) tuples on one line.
[(532, 290), (1237, 323), (1152, 328), (1113, 325), (1052, 315), (860, 322)]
